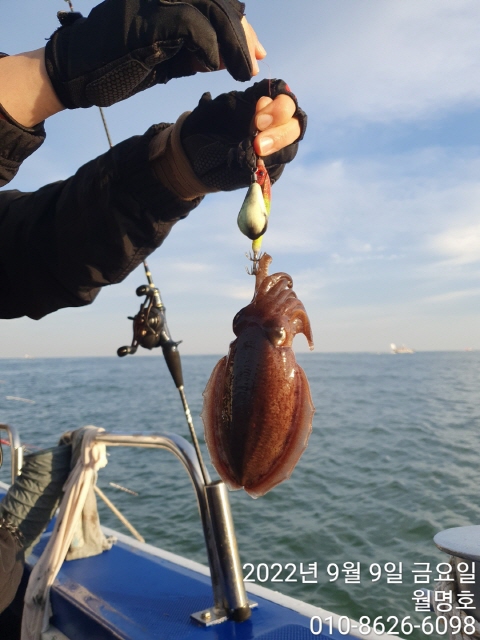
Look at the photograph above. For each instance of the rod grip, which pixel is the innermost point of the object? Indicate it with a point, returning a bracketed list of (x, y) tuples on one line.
[(174, 364)]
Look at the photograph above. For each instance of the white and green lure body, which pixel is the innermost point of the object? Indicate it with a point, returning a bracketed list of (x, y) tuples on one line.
[(253, 217)]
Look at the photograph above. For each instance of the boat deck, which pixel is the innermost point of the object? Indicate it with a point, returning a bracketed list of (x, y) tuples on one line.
[(138, 592)]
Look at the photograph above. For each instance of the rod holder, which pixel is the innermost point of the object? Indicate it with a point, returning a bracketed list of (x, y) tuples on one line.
[(230, 600), (227, 549)]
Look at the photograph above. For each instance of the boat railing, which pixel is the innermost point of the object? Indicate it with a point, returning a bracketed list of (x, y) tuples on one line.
[(230, 599), (229, 596), (16, 449)]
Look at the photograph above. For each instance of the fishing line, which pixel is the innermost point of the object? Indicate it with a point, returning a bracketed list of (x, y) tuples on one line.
[(269, 75), (107, 132), (105, 126)]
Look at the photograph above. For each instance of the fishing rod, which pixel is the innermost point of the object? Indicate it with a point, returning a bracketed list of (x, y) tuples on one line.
[(150, 330)]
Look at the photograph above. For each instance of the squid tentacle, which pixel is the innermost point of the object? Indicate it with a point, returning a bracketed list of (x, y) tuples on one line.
[(268, 283), (276, 297)]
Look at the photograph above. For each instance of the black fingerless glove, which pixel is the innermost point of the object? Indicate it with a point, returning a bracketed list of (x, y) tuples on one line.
[(126, 46), (218, 138)]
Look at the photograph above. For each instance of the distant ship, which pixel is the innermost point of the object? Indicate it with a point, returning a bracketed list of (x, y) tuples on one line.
[(401, 349)]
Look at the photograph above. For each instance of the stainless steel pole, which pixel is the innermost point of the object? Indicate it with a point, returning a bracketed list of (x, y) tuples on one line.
[(227, 549)]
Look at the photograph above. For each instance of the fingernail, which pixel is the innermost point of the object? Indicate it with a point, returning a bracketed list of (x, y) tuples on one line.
[(265, 145), (264, 121)]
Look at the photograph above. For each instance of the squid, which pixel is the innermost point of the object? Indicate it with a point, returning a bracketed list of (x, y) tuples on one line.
[(258, 409)]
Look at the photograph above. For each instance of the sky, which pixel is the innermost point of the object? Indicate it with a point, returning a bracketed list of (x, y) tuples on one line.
[(377, 219)]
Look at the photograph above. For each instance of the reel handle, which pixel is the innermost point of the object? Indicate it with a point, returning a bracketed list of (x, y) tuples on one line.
[(124, 351), (145, 290)]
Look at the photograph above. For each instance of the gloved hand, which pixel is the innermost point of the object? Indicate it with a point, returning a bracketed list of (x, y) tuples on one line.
[(211, 149), (126, 46)]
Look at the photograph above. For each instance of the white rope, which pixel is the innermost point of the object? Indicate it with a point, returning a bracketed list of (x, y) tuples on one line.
[(452, 587), (83, 476)]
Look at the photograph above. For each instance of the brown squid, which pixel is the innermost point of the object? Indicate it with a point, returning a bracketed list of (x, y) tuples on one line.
[(257, 407)]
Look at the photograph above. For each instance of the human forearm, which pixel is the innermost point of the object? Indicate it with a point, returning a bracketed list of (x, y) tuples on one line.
[(26, 92), (61, 244)]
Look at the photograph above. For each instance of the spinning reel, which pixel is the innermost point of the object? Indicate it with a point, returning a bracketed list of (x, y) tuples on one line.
[(150, 329)]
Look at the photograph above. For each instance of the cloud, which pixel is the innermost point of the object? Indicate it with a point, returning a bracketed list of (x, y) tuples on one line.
[(383, 208), (461, 244), (349, 231), (384, 60), (453, 295), (192, 267)]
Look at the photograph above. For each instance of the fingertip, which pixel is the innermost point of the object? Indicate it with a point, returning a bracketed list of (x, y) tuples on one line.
[(255, 48), (260, 51), (264, 145), (263, 121), (262, 103)]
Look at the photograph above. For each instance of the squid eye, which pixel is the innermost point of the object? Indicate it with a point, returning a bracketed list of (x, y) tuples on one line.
[(277, 336)]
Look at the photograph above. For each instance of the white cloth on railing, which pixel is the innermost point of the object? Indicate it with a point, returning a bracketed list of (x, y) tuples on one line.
[(82, 478)]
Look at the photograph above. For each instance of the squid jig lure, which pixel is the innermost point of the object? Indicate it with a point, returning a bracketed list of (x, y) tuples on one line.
[(255, 211)]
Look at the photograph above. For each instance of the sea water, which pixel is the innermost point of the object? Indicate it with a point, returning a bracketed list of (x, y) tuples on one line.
[(392, 460)]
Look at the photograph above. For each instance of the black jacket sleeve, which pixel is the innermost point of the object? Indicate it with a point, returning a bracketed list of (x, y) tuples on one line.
[(62, 243), (16, 144)]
